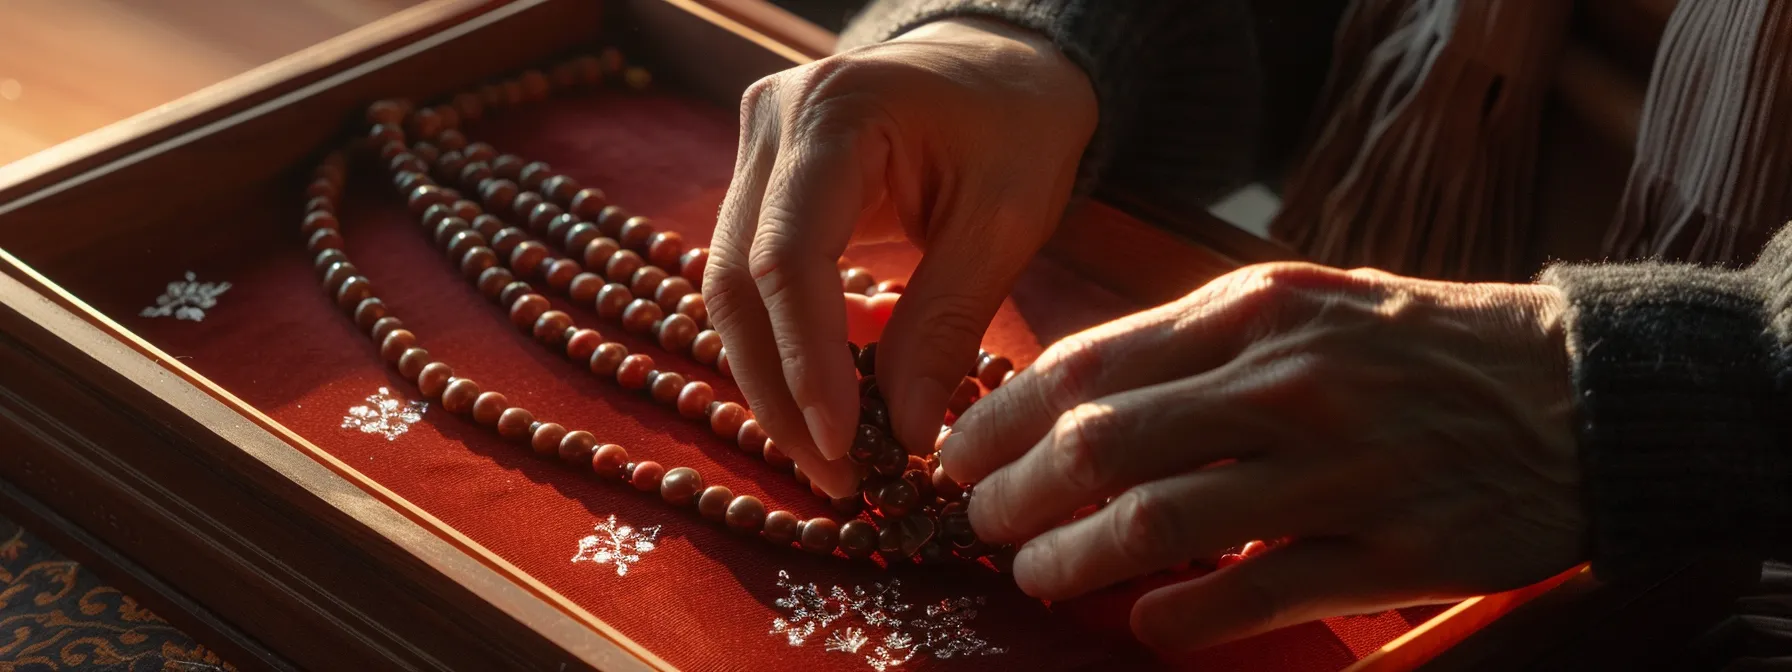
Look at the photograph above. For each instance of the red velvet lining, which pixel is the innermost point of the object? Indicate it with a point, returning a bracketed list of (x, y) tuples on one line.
[(703, 599)]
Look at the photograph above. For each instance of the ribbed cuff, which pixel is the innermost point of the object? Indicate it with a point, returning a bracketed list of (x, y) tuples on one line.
[(1682, 445)]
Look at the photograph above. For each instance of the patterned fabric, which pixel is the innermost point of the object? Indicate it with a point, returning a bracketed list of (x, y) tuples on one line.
[(54, 615)]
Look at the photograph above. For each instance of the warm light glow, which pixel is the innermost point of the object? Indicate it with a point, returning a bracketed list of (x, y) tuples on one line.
[(11, 89)]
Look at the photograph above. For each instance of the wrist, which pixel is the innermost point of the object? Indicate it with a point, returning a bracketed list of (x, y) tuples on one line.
[(1016, 53)]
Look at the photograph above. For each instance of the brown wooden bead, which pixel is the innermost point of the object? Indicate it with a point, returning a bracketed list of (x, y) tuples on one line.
[(782, 527), (577, 238), (425, 123), (507, 239), (612, 300), (966, 394), (550, 328), (635, 233), (856, 280), (369, 311), (892, 461), (508, 166), (560, 273), (692, 264), (745, 514), (480, 151), (527, 259), (470, 107), (526, 310), (588, 203), (474, 174), (446, 227), (896, 498), (382, 134), (694, 399), (477, 261), (323, 239), (325, 262), (320, 204), (384, 326), (691, 305), (353, 291), (545, 439), (680, 486), (492, 281), (513, 291), (583, 344), (407, 162), (646, 476), (499, 194), (664, 249), (449, 165), (858, 539), (707, 346), (515, 423), (542, 215), (432, 381), (485, 224), (576, 447), (608, 459), (671, 290), (713, 503), (608, 358), (887, 287), (427, 195), (622, 266), (774, 456), (535, 86), (944, 486), (751, 438), (409, 181), (632, 373), (666, 387), (610, 219), (489, 407), (434, 215), (386, 112), (599, 251), (820, 535), (394, 344), (726, 419), (584, 287), (533, 174), (461, 242), (412, 361), (641, 315), (646, 280), (560, 189), (992, 370), (452, 138), (318, 220), (796, 472), (677, 332), (868, 443), (459, 396)]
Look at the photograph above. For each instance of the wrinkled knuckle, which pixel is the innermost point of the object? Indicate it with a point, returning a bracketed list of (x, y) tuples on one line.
[(1145, 531), (754, 101), (1069, 369), (956, 320), (1083, 443)]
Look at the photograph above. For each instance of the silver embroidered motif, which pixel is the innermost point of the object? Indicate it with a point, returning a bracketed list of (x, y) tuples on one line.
[(941, 630), (385, 414), (187, 299), (621, 545)]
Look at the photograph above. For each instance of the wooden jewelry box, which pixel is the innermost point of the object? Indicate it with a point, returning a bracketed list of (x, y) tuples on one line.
[(173, 390)]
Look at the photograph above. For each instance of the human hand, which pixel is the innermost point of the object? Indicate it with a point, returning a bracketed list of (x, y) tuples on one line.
[(1414, 438), (962, 136)]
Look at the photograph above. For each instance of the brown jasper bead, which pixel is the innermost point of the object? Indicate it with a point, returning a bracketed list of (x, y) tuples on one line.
[(635, 233), (394, 344), (508, 166), (612, 300), (640, 316), (476, 261), (892, 461), (527, 258), (498, 195), (664, 248), (645, 280), (680, 486), (460, 242), (577, 239), (524, 206), (896, 498), (513, 291), (646, 476), (820, 535), (326, 261), (427, 195), (745, 514), (584, 287), (796, 472), (320, 204), (323, 239), (407, 181), (407, 162), (751, 437), (694, 399), (782, 527), (886, 287), (632, 373), (966, 394), (545, 438), (993, 369), (425, 123), (411, 363), (608, 459), (666, 387), (435, 214), (559, 225), (507, 239), (534, 174), (383, 327), (858, 539), (560, 273), (489, 407), (474, 173), (583, 344), (856, 280), (551, 327), (526, 310), (713, 503), (542, 215), (468, 211), (576, 447), (460, 395), (693, 306), (608, 358), (599, 251), (707, 346), (446, 227), (449, 165), (451, 139), (560, 189), (487, 225), (621, 266), (774, 456), (726, 419), (670, 291), (610, 219), (944, 486), (318, 220), (692, 264), (432, 381), (677, 332), (588, 203), (492, 281), (383, 134), (480, 151), (355, 290), (369, 311), (393, 150), (516, 423)]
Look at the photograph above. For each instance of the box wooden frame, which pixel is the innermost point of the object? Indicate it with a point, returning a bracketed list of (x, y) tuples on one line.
[(279, 556)]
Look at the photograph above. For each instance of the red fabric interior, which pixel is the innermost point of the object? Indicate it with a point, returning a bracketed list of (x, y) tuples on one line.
[(704, 599)]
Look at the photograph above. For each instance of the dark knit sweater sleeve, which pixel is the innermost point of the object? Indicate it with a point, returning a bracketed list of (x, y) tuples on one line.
[(1683, 374), (1177, 82)]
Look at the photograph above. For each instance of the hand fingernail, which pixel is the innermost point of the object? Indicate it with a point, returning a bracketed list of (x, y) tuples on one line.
[(822, 431), (950, 444)]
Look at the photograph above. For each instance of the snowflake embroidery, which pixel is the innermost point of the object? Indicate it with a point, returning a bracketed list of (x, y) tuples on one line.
[(386, 414), (622, 545), (941, 630), (187, 299)]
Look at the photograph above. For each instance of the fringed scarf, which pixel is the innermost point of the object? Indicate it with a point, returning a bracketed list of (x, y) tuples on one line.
[(1424, 158)]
